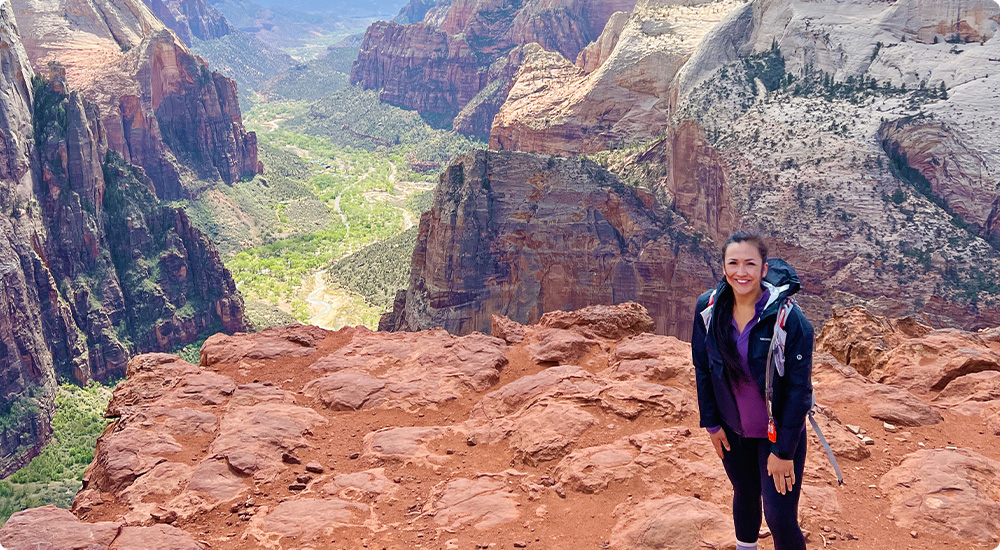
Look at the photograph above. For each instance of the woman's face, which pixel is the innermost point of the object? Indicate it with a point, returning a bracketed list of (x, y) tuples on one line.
[(744, 268)]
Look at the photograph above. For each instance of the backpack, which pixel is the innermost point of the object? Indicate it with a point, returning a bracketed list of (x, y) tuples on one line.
[(776, 364)]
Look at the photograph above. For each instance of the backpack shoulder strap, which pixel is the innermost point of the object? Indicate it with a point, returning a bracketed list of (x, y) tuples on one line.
[(776, 362), (706, 314)]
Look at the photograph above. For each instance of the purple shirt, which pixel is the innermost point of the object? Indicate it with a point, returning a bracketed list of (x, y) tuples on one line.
[(749, 398)]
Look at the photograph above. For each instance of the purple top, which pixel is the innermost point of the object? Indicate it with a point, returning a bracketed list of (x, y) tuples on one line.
[(749, 399)]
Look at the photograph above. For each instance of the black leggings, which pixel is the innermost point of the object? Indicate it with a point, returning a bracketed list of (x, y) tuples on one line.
[(746, 465)]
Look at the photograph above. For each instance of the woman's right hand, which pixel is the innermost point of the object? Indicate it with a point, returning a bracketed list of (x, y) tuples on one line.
[(720, 442)]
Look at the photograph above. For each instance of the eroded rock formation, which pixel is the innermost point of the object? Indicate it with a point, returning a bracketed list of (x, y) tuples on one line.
[(582, 428), (735, 125), (462, 49), (95, 268), (520, 235), (163, 109), (619, 91)]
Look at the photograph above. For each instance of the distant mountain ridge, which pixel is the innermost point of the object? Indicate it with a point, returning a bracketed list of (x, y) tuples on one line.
[(456, 65)]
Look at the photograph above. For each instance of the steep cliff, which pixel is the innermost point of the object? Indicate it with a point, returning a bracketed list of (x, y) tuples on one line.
[(190, 19), (164, 110), (28, 315), (438, 65), (520, 235), (95, 268), (228, 51)]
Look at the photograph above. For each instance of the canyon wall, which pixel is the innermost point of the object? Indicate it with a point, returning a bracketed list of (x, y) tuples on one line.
[(519, 235), (95, 269), (163, 109), (440, 64)]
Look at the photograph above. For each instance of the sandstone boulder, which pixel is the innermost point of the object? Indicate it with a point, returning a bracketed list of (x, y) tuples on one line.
[(560, 347), (673, 523), (836, 383), (271, 343), (481, 503), (157, 537), (59, 528), (407, 370), (653, 358), (308, 519), (931, 363), (946, 492)]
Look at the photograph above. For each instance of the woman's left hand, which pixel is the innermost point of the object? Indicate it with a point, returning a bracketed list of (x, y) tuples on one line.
[(782, 471)]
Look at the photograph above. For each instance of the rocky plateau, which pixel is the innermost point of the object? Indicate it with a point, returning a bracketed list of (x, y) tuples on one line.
[(576, 432)]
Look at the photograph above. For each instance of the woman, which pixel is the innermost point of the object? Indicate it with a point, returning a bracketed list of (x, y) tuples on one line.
[(732, 333)]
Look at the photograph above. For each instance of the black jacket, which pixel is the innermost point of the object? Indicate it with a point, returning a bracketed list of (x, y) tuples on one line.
[(792, 392)]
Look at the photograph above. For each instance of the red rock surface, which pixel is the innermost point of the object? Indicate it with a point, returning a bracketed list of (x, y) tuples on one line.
[(522, 235), (603, 452)]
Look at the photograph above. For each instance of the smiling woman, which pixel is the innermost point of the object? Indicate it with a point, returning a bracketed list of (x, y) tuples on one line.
[(758, 434)]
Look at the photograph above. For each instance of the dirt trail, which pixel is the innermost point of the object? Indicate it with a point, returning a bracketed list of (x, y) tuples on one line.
[(330, 308), (343, 218)]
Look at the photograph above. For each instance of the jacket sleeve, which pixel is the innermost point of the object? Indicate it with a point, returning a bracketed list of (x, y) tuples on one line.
[(703, 375), (798, 385)]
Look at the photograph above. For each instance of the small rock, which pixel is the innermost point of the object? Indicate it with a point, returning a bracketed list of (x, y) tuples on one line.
[(164, 516), (520, 545), (354, 456), (297, 487), (303, 478), (854, 429), (913, 534), (289, 458), (889, 427), (868, 441), (471, 441), (314, 467)]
